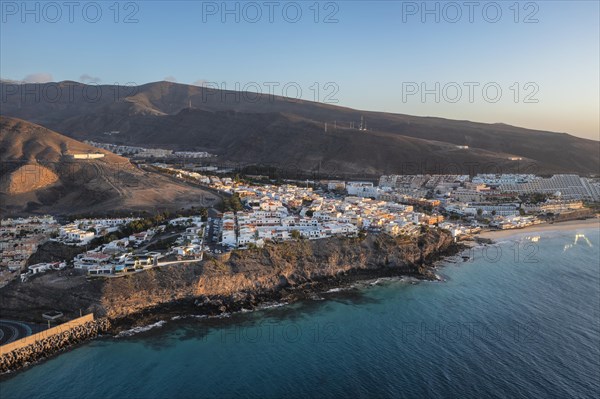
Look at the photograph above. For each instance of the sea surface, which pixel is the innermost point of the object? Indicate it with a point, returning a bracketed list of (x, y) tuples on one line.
[(520, 319)]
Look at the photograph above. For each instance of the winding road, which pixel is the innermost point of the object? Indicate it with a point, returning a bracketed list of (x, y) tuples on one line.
[(12, 330)]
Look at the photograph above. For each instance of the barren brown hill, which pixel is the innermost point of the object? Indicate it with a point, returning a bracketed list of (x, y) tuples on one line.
[(273, 130), (40, 175), (18, 181)]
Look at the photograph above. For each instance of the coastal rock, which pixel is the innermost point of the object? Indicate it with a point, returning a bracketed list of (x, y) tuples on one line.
[(277, 272)]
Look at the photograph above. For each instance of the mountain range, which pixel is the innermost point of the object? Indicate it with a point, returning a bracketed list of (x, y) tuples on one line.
[(291, 134)]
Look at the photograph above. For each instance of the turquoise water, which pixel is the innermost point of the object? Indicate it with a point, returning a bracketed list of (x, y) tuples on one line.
[(521, 321)]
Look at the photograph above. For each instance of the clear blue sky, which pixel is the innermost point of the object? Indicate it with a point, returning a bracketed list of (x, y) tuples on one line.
[(375, 53)]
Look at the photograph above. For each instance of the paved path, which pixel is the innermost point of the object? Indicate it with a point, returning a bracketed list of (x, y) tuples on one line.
[(169, 263), (12, 330)]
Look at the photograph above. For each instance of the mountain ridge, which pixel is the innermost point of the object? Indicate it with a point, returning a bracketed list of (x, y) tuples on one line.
[(159, 114)]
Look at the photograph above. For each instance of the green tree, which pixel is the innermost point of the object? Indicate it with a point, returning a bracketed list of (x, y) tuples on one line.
[(203, 212), (296, 234)]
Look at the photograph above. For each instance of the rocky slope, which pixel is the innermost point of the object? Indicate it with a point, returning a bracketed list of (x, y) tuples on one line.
[(19, 181), (285, 271), (289, 133), (39, 175)]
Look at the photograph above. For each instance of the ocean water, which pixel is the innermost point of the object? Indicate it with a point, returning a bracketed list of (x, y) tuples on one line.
[(521, 319)]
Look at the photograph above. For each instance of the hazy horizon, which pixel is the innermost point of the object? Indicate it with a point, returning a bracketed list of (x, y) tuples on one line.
[(534, 66)]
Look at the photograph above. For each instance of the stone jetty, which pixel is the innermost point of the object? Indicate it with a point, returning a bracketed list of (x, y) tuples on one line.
[(45, 347)]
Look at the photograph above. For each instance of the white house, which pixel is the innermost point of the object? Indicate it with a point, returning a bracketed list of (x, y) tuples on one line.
[(40, 268), (91, 259)]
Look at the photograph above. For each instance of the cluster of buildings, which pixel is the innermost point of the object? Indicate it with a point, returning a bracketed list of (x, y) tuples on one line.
[(569, 187), (254, 227), (565, 186), (108, 260), (20, 238), (398, 205), (190, 242), (282, 212), (473, 202), (119, 256), (148, 152), (82, 231), (275, 213)]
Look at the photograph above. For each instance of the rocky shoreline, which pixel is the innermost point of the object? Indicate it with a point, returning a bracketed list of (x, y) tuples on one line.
[(249, 300), (249, 280), (223, 305)]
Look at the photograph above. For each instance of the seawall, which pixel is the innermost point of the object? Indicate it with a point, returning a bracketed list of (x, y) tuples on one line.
[(15, 355)]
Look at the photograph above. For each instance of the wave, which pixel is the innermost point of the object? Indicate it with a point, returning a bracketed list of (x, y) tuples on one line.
[(401, 279), (188, 316), (221, 316), (137, 330), (271, 305), (268, 305)]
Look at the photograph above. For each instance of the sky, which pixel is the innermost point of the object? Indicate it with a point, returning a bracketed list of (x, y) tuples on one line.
[(529, 64)]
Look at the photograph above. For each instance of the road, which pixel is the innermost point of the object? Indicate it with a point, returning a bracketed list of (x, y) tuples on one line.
[(157, 238), (12, 330), (103, 175)]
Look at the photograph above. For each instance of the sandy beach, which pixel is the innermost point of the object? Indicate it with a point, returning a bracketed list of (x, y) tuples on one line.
[(561, 226)]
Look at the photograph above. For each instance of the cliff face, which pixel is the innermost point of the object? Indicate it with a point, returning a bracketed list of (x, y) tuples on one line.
[(274, 272), (252, 275)]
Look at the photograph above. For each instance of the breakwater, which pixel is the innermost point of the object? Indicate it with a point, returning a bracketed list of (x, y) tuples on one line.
[(18, 354)]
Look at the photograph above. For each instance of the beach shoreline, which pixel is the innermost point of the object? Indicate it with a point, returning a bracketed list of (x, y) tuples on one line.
[(543, 227)]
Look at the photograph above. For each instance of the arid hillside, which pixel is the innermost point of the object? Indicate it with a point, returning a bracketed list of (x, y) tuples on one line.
[(46, 172), (289, 133)]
